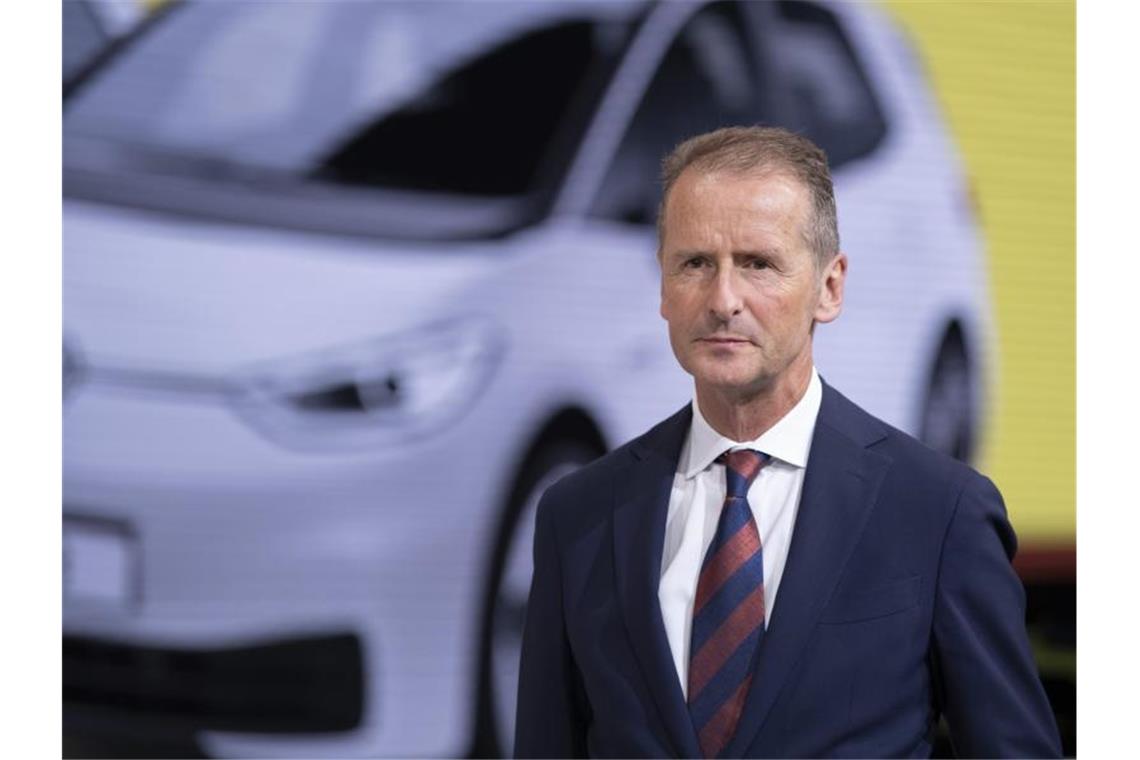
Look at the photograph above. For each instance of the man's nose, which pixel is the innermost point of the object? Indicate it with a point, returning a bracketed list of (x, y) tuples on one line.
[(724, 300)]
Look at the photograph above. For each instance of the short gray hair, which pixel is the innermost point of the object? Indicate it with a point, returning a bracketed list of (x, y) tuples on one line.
[(747, 150)]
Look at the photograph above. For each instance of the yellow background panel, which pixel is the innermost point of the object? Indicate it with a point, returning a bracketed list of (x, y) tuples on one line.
[(1005, 73)]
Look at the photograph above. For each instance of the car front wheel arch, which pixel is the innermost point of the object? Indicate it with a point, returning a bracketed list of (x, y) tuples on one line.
[(567, 441)]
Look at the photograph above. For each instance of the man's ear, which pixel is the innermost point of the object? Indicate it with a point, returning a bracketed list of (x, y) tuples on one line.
[(831, 283)]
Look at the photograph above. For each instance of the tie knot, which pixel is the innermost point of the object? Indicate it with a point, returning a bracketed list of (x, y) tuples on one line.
[(741, 468)]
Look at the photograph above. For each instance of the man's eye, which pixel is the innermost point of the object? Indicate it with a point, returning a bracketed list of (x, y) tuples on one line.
[(694, 263), (757, 264)]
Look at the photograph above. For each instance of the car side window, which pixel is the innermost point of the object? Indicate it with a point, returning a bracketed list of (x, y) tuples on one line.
[(707, 79), (818, 86), (480, 99), (489, 127)]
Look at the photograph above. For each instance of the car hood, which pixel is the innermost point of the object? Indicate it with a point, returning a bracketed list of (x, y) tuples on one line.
[(152, 292)]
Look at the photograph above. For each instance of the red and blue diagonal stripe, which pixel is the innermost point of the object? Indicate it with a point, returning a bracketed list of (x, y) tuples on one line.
[(728, 614)]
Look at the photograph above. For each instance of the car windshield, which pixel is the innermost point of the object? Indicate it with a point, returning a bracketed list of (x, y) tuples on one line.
[(471, 99)]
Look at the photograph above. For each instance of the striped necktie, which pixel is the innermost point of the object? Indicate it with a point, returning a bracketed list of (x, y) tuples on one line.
[(728, 614)]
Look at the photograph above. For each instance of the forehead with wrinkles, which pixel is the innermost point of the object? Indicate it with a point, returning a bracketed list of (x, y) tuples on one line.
[(729, 211)]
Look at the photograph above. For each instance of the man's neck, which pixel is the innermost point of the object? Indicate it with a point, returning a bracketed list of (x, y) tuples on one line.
[(746, 418)]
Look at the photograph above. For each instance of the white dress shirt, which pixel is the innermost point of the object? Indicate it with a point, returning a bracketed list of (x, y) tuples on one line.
[(698, 495)]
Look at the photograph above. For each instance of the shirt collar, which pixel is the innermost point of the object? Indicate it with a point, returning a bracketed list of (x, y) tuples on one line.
[(789, 440)]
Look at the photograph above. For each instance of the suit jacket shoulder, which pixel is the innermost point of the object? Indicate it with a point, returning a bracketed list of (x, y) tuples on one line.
[(848, 419), (914, 466)]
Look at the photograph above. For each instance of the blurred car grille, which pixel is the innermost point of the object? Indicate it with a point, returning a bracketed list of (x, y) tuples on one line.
[(288, 686)]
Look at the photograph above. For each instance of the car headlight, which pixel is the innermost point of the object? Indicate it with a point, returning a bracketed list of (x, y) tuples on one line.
[(385, 391)]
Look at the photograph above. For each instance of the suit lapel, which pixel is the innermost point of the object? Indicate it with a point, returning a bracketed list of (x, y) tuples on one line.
[(840, 487), (642, 505)]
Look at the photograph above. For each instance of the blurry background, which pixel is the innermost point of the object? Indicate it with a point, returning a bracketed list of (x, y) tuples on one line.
[(347, 285), (1006, 75)]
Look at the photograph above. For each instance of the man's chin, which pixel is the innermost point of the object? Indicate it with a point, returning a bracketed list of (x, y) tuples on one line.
[(730, 383)]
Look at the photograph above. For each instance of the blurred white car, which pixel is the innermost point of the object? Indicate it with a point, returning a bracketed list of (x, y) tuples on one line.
[(347, 285)]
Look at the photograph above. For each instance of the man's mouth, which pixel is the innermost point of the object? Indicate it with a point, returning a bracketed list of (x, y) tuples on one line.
[(722, 340)]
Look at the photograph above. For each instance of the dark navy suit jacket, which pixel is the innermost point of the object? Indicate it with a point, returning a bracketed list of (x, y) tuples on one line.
[(898, 603)]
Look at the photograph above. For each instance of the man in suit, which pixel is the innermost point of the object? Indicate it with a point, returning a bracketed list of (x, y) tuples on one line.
[(771, 571)]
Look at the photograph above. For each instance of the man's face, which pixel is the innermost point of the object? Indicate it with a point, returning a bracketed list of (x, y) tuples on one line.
[(739, 286)]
